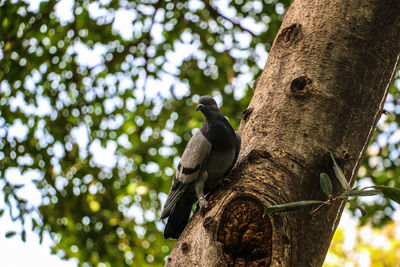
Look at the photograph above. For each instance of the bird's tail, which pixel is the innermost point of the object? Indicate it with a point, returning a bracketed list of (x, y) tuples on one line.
[(178, 217)]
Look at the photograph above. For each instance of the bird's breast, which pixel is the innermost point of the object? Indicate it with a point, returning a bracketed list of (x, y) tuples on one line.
[(223, 138), (218, 165)]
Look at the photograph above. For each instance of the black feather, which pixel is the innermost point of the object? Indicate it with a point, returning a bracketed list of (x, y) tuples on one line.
[(188, 171), (179, 216)]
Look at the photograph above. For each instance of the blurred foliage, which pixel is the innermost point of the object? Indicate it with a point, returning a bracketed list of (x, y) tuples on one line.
[(366, 246), (96, 105), (381, 164)]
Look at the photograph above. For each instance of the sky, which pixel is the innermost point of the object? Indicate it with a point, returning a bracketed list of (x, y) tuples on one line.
[(16, 253)]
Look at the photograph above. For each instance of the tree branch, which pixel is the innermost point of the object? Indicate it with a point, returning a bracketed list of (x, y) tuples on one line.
[(215, 13)]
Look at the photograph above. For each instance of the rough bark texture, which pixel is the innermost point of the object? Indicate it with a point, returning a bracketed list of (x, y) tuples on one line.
[(322, 90)]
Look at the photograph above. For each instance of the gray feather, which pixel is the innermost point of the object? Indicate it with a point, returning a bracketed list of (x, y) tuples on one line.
[(193, 159), (210, 154)]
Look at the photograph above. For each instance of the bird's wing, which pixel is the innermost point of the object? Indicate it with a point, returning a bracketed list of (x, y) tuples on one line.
[(193, 159), (175, 194)]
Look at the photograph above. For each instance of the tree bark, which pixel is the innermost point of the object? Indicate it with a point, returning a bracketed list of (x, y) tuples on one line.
[(323, 89)]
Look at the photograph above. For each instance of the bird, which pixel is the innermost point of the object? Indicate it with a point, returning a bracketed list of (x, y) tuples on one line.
[(208, 157)]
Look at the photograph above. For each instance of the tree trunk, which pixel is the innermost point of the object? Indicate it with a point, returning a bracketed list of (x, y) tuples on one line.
[(323, 89)]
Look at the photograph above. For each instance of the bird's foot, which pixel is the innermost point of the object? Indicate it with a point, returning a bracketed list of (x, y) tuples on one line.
[(203, 203), (224, 181), (227, 180), (206, 204)]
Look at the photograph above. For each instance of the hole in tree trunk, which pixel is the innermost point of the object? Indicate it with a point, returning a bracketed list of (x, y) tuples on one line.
[(245, 233), (246, 114), (300, 86)]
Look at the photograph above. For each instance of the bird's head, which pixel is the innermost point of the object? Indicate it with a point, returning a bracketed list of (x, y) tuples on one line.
[(207, 106)]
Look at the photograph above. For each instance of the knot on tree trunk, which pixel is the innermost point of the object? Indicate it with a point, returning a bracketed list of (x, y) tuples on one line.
[(290, 35), (245, 234), (246, 114), (301, 86)]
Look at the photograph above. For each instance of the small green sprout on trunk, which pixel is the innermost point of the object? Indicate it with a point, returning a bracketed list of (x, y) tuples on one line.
[(326, 186)]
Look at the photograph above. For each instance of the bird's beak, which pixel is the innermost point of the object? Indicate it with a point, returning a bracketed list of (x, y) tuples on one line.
[(199, 107)]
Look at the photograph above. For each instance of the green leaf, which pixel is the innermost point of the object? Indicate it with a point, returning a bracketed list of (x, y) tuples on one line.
[(362, 193), (291, 206), (23, 235), (10, 234), (1, 212), (339, 174), (361, 209), (325, 184), (389, 192)]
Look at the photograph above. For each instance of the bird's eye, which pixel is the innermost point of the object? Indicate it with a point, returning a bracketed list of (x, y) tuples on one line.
[(210, 102)]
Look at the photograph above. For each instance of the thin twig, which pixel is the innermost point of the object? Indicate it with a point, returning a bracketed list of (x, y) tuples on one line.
[(216, 13), (328, 202)]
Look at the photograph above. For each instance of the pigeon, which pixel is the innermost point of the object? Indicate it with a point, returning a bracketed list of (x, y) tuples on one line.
[(208, 157)]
